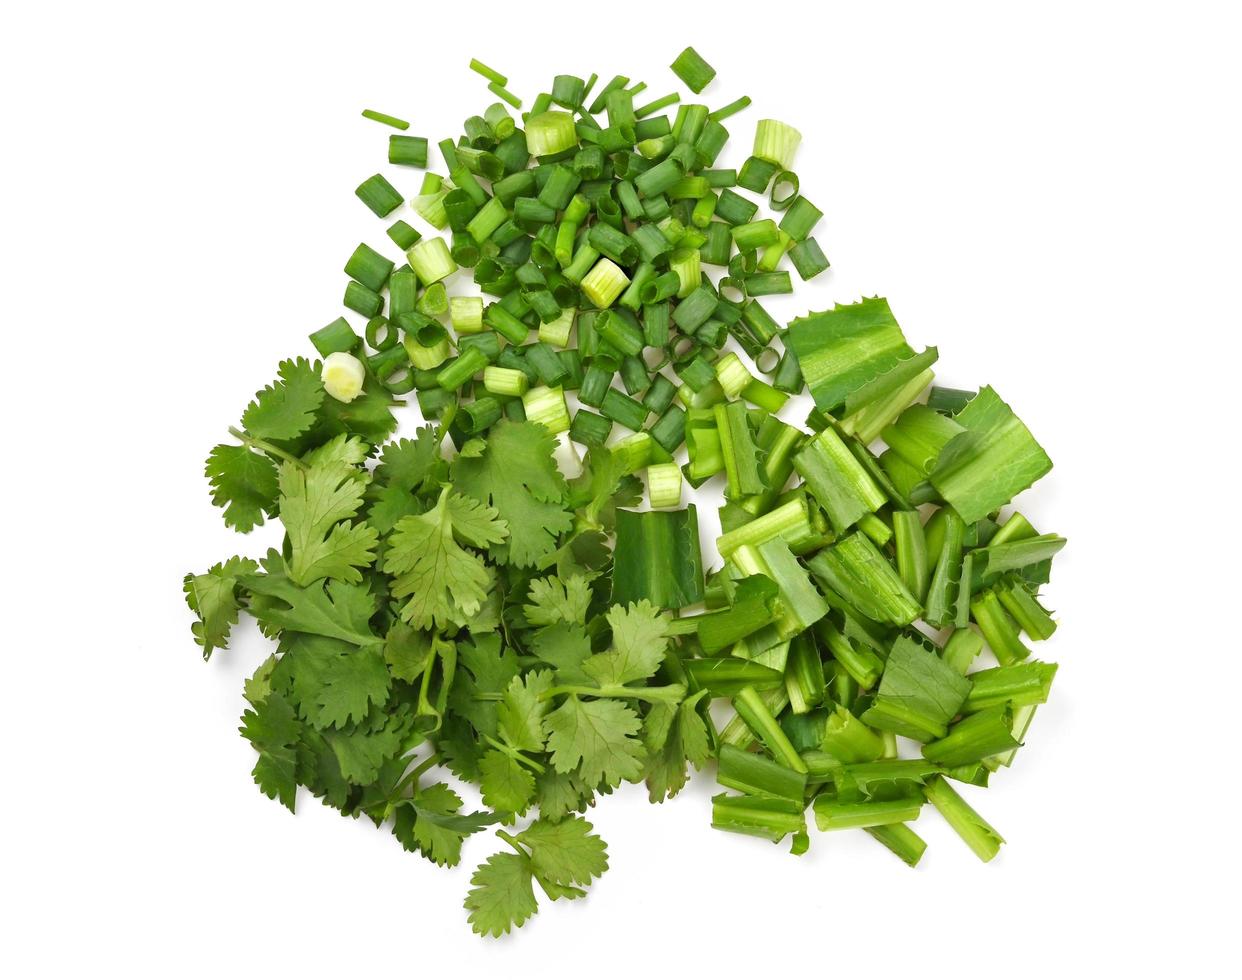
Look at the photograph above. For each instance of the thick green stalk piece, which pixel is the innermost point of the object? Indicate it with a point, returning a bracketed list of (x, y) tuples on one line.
[(839, 482), (1018, 684), (991, 462), (978, 834), (855, 569), (832, 814), (975, 737), (755, 605), (901, 840), (751, 707), (854, 355), (771, 818), (756, 775), (657, 557)]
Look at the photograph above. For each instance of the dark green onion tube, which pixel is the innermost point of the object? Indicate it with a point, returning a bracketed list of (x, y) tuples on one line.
[(752, 773), (387, 120), (801, 218), (477, 416), (380, 334), (784, 190), (362, 300), (589, 429), (660, 394), (403, 235), (734, 209), (732, 109), (407, 151), (505, 324), (619, 331), (622, 409), (387, 362), (670, 428), (617, 245), (634, 375), (768, 284), (433, 401), (470, 362), (756, 175), (656, 320), (368, 267), (378, 195), (337, 337), (596, 381), (808, 259)]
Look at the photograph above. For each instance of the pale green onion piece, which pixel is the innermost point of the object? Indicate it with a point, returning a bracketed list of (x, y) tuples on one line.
[(776, 142), (466, 313), (664, 484), (505, 381), (557, 332), (732, 374), (685, 262), (429, 205), (550, 133), (547, 407), (342, 376), (605, 282), (431, 260), (634, 451)]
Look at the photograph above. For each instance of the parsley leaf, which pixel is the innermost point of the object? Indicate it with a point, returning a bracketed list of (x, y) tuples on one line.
[(440, 577), (244, 483), (514, 472), (286, 409), (596, 738), (314, 503), (213, 598)]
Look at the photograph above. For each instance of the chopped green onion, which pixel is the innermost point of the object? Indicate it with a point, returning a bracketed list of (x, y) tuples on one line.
[(550, 133), (378, 195), (547, 407), (497, 89), (808, 259), (604, 283), (725, 111), (368, 267), (343, 376), (734, 209), (387, 120), (776, 142), (403, 235), (622, 409), (664, 485), (362, 300), (337, 337), (491, 74), (407, 151), (431, 260), (466, 314), (589, 429), (690, 67), (505, 381)]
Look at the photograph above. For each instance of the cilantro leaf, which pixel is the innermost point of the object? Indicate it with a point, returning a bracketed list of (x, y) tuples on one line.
[(560, 793), (244, 483), (502, 896), (514, 472), (439, 576), (557, 600), (351, 682), (431, 824), (597, 739), (345, 449), (272, 728), (314, 503), (389, 505), (341, 610), (212, 597), (286, 409), (408, 463), (489, 668), (506, 785), (565, 853), (566, 647), (406, 651), (521, 712), (368, 416), (639, 642), (362, 751), (683, 740)]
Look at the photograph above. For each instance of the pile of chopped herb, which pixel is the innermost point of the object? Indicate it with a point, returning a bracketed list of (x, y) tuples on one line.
[(453, 606)]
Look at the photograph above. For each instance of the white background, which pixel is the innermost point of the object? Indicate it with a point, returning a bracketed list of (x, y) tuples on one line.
[(1049, 192)]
